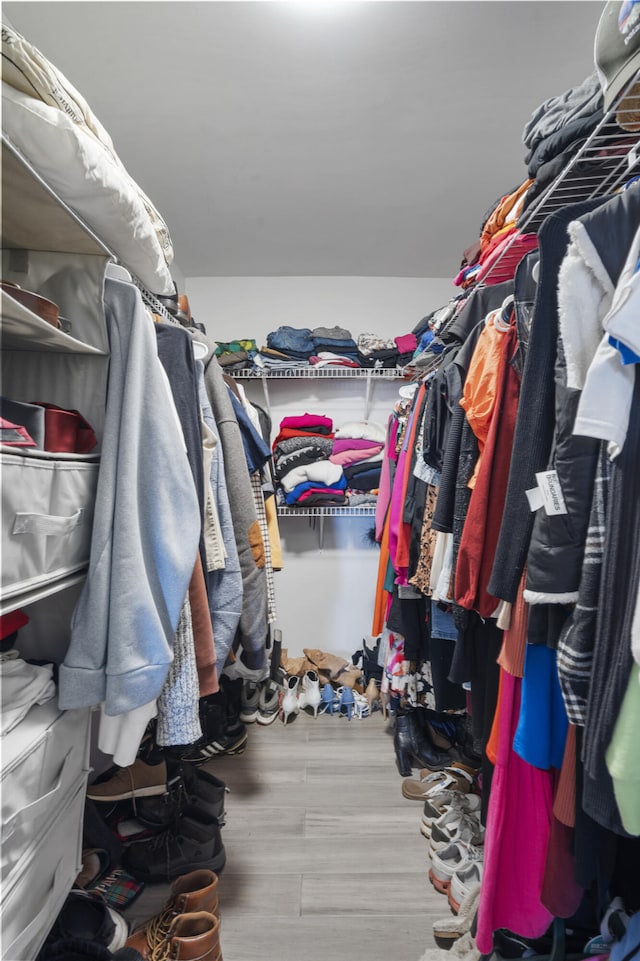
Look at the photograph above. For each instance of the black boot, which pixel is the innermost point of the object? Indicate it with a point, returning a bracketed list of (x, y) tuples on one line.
[(412, 747), (193, 841), (189, 786)]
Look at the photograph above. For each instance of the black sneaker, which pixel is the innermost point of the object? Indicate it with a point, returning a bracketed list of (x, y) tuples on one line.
[(191, 843), (190, 787)]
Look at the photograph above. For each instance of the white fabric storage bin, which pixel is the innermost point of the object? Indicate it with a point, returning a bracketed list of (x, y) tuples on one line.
[(43, 877), (47, 516), (42, 758)]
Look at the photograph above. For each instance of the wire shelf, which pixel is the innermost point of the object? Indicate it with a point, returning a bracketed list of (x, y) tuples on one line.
[(376, 373), (366, 510)]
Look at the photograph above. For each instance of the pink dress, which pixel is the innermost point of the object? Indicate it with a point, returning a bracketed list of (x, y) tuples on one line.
[(518, 826)]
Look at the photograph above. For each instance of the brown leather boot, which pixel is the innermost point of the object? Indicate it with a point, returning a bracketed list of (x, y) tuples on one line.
[(193, 937), (193, 892)]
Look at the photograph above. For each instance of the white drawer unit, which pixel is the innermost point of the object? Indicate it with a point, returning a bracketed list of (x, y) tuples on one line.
[(42, 878), (44, 756), (47, 517)]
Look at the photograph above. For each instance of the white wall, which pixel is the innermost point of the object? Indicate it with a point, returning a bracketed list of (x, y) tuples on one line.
[(324, 596), (232, 307)]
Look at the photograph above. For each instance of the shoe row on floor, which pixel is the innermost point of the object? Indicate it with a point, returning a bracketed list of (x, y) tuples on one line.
[(187, 926), (295, 694)]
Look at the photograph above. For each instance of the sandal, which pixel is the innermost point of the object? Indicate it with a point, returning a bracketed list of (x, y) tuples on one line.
[(457, 777)]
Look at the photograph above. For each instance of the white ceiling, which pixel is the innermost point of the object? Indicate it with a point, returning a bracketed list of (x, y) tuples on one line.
[(359, 137)]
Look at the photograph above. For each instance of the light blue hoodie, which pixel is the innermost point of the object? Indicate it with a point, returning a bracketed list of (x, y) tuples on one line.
[(146, 528)]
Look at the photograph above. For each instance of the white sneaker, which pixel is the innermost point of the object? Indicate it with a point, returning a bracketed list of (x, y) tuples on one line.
[(466, 829), (464, 883), (455, 857), (438, 806)]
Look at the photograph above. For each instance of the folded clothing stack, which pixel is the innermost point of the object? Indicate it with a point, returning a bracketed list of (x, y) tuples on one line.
[(237, 354), (386, 353), (305, 475), (358, 447), (334, 346)]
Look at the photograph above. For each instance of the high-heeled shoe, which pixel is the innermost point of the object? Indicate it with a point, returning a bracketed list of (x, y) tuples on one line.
[(328, 699), (412, 747), (372, 695), (290, 704), (347, 701), (310, 695)]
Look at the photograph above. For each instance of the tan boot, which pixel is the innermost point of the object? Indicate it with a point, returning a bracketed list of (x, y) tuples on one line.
[(193, 937), (196, 891)]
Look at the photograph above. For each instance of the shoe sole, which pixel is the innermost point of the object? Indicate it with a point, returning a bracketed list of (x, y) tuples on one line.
[(156, 791), (445, 941), (248, 718), (442, 887), (267, 718), (453, 904)]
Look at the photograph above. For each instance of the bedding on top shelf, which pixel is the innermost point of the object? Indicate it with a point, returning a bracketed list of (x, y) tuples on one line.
[(54, 128)]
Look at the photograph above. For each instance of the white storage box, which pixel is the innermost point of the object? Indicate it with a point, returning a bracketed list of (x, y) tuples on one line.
[(42, 758), (47, 516), (43, 877)]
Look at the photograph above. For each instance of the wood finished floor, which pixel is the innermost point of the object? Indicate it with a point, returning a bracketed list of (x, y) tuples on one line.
[(325, 860)]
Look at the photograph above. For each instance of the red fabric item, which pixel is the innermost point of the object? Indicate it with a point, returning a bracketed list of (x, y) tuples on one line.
[(66, 431), (12, 622), (482, 525), (291, 432), (501, 264)]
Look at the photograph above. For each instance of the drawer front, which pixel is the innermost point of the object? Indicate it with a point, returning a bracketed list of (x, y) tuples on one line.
[(47, 518), (50, 750), (43, 878)]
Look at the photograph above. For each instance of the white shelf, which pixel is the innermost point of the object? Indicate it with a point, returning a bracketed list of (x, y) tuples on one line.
[(41, 591), (366, 510), (34, 217), (368, 373), (21, 329)]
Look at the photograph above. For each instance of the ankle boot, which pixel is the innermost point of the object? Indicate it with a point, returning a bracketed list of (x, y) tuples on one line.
[(190, 786), (193, 842), (192, 937), (196, 891), (310, 695), (413, 749)]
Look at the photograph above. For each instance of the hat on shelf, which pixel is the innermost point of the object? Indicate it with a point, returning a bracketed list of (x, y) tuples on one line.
[(617, 47)]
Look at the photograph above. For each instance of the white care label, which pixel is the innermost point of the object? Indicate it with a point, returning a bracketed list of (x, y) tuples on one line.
[(551, 491)]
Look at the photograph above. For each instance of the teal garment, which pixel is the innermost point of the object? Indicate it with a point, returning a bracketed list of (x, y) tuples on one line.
[(622, 756)]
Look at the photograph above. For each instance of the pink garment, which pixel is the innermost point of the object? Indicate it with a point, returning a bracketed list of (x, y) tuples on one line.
[(303, 421), (353, 443), (384, 492), (357, 456), (407, 343), (335, 491), (517, 835)]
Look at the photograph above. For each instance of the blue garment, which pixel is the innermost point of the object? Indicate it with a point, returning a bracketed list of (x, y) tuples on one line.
[(442, 624), (291, 340), (627, 355), (256, 450), (293, 495), (224, 586), (542, 729), (146, 528)]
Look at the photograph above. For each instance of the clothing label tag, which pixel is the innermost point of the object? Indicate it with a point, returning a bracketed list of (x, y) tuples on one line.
[(535, 498), (553, 499)]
